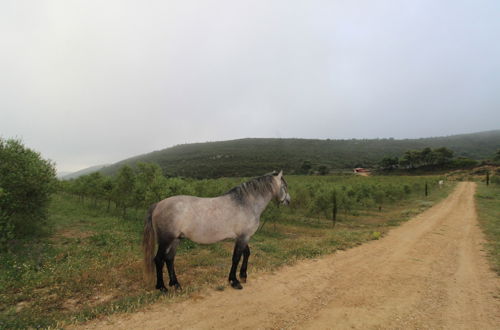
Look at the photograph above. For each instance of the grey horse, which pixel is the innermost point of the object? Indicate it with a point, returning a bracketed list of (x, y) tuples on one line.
[(235, 215)]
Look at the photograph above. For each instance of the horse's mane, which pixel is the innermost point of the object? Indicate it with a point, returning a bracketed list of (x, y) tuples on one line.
[(257, 186)]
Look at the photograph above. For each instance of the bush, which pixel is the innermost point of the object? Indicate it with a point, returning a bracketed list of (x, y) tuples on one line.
[(463, 162), (26, 183)]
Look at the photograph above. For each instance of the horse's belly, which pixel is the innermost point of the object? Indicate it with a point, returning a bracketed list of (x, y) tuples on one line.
[(204, 237), (207, 232)]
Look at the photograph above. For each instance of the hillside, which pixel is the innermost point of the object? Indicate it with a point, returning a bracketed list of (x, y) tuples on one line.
[(74, 175), (254, 156)]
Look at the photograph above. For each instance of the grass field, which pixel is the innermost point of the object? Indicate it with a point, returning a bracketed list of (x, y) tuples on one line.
[(89, 263), (488, 208)]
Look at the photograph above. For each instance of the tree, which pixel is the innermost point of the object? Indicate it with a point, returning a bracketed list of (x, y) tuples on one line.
[(411, 159), (107, 188), (26, 184), (442, 156), (497, 156), (426, 156), (323, 170), (79, 187), (124, 188), (321, 204), (306, 167), (463, 162), (150, 184), (389, 163), (95, 189)]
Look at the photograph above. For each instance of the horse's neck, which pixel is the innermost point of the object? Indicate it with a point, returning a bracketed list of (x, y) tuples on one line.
[(259, 203)]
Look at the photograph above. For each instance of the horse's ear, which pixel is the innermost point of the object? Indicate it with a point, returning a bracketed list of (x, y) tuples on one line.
[(280, 174)]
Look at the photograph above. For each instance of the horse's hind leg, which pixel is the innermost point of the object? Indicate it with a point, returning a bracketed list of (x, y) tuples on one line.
[(169, 260), (160, 255), (244, 264), (239, 246)]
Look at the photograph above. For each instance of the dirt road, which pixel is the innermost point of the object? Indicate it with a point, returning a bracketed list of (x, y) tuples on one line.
[(428, 273)]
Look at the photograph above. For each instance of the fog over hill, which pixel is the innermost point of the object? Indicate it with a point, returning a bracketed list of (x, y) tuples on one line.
[(255, 156), (74, 175)]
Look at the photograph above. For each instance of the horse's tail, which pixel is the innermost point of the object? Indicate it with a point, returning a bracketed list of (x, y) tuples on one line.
[(148, 245)]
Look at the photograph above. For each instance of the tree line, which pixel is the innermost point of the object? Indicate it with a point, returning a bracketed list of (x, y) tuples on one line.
[(27, 182), (139, 187), (312, 196), (439, 158), (252, 157)]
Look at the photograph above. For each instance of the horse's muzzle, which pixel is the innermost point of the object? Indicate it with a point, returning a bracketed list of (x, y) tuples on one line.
[(286, 200)]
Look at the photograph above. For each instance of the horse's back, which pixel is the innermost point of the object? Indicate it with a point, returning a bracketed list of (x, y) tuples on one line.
[(203, 220)]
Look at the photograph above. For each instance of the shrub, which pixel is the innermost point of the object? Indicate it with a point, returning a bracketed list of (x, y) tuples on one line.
[(26, 183), (463, 162)]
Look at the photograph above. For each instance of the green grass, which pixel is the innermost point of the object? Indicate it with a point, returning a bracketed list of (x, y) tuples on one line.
[(488, 208), (90, 262), (50, 278)]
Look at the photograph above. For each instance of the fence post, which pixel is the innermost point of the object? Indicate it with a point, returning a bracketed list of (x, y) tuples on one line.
[(334, 218)]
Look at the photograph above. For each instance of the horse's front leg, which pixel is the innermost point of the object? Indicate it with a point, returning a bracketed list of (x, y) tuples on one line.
[(244, 264), (239, 247)]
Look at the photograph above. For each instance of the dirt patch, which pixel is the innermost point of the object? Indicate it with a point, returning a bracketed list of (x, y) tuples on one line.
[(477, 173), (22, 305), (428, 273), (73, 304), (72, 233)]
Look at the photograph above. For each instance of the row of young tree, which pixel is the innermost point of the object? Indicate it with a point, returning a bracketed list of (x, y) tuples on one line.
[(27, 181), (325, 196), (130, 188), (318, 197)]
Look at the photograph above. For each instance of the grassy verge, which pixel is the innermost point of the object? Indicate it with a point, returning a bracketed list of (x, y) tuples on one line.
[(90, 264), (488, 208)]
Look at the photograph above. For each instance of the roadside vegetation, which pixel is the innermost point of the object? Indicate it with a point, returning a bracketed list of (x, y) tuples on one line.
[(134, 190), (488, 208), (90, 263), (26, 184)]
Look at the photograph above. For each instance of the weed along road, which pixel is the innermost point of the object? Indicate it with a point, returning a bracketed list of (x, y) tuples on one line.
[(428, 273)]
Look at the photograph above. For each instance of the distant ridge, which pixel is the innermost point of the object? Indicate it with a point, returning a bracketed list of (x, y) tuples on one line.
[(61, 175), (85, 171), (255, 156)]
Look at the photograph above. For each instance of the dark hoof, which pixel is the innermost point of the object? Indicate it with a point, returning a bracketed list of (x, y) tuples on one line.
[(176, 286), (243, 279), (236, 285), (162, 289)]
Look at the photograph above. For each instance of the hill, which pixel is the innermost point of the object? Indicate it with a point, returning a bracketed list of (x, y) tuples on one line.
[(254, 156), (74, 175), (62, 174)]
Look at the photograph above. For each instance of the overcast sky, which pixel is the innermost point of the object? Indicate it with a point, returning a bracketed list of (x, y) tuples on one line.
[(94, 82)]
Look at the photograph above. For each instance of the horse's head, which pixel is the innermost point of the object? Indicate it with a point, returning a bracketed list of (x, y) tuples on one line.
[(282, 194)]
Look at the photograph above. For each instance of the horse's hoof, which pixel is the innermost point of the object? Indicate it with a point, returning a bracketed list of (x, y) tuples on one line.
[(163, 289), (243, 279), (236, 285), (176, 286)]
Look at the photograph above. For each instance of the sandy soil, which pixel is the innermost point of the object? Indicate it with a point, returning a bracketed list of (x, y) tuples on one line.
[(430, 273)]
